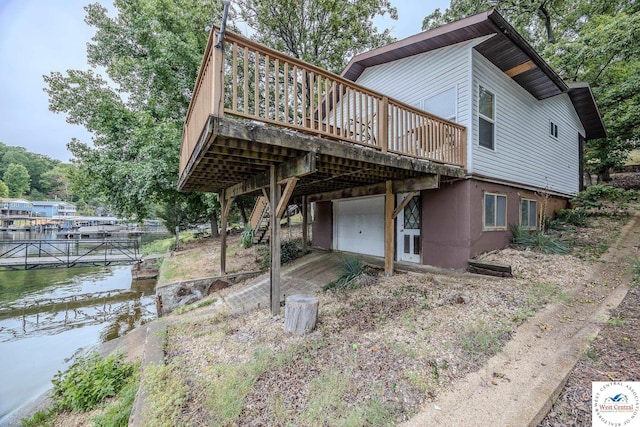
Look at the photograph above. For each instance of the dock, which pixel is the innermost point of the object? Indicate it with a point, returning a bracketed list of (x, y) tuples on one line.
[(67, 253)]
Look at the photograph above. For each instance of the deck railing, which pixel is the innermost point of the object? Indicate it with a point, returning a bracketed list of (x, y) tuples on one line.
[(251, 81)]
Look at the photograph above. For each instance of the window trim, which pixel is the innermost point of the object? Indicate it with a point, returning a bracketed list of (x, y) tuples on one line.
[(491, 120), (529, 226), (438, 93), (553, 129), (486, 227)]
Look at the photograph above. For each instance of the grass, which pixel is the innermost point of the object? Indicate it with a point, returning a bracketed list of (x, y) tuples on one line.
[(482, 340), (616, 321), (167, 393), (541, 293)]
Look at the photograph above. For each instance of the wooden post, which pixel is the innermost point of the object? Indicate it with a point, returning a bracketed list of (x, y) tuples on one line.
[(274, 241), (225, 205), (217, 88), (305, 224), (383, 124), (388, 230)]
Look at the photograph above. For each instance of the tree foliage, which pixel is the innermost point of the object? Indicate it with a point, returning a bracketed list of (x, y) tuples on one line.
[(150, 51), (36, 165), (4, 190), (326, 33), (17, 179), (587, 41)]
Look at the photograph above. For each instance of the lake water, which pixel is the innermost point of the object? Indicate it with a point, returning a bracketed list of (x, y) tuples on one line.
[(48, 316)]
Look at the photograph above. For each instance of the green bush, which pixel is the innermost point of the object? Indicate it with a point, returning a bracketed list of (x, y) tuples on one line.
[(577, 217), (289, 251), (538, 241), (593, 196), (350, 268), (89, 381), (246, 238)]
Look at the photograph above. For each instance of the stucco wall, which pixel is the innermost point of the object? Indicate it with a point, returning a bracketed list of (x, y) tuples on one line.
[(445, 225), (322, 228)]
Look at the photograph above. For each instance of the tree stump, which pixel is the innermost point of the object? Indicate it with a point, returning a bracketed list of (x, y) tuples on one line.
[(300, 314)]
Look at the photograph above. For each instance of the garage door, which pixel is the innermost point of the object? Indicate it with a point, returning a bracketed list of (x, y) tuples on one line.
[(359, 225)]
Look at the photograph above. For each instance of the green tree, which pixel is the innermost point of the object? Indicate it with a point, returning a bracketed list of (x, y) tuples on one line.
[(17, 179), (57, 181), (327, 33), (151, 49), (4, 190)]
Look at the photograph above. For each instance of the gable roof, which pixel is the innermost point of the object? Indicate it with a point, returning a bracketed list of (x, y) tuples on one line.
[(507, 50)]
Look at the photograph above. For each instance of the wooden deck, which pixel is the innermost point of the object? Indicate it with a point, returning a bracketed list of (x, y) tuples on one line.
[(253, 108)]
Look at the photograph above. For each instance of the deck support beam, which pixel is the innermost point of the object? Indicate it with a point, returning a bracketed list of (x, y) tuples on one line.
[(225, 207), (403, 204), (305, 224), (294, 168), (403, 186), (388, 229), (274, 241)]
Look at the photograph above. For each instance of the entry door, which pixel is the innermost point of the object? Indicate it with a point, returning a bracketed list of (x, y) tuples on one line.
[(409, 240)]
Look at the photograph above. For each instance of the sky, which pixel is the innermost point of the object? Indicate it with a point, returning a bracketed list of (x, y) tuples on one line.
[(38, 37)]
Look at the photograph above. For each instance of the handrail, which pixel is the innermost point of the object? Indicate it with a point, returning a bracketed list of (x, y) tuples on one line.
[(69, 252), (255, 82)]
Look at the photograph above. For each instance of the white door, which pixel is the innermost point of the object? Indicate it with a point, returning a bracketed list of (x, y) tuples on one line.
[(358, 225), (409, 240)]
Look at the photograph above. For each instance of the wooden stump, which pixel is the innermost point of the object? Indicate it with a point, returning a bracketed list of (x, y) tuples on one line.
[(300, 314)]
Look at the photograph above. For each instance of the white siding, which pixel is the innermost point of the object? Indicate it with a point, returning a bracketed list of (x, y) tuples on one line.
[(524, 152), (413, 79)]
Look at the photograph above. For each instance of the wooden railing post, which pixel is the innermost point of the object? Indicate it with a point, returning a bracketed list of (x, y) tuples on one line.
[(463, 148), (383, 123), (217, 76)]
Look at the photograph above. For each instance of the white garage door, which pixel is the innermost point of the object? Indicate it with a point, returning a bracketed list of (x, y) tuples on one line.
[(359, 225)]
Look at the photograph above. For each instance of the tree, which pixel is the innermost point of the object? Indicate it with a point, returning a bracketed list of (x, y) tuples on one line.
[(4, 190), (587, 41), (326, 33), (17, 179), (151, 50), (57, 181)]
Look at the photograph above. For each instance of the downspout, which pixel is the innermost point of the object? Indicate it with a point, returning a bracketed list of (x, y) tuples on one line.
[(223, 26)]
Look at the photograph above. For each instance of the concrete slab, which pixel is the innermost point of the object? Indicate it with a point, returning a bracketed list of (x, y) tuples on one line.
[(304, 276)]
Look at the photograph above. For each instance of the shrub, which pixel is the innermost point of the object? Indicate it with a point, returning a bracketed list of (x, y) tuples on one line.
[(89, 381), (350, 268), (593, 196), (246, 238), (577, 217), (289, 251), (538, 241)]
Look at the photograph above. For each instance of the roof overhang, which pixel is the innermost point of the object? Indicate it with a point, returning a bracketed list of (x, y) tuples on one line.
[(587, 109), (507, 50)]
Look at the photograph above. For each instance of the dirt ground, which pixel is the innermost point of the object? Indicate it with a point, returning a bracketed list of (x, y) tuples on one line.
[(614, 355), (381, 350)]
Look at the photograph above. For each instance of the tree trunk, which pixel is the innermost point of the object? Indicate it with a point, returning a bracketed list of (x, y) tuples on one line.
[(243, 212), (214, 224), (546, 17), (301, 314)]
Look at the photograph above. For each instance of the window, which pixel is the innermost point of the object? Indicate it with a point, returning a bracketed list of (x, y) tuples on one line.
[(553, 130), (486, 118), (442, 105), (528, 214), (495, 211)]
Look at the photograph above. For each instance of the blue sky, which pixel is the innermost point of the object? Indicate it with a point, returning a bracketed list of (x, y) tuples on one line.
[(41, 36)]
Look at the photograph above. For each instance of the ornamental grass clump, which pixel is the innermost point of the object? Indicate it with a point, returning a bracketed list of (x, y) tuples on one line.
[(538, 241)]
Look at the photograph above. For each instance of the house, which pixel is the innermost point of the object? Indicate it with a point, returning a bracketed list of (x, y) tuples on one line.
[(53, 209), (15, 208), (526, 133), (424, 151)]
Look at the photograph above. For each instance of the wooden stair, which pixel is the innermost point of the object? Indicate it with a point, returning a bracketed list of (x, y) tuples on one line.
[(259, 219)]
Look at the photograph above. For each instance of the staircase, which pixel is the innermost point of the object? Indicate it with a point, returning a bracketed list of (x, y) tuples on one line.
[(259, 219)]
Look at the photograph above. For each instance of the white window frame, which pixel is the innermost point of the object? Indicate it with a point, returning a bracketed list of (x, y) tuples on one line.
[(453, 118), (491, 120), (494, 227), (528, 226), (553, 129)]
